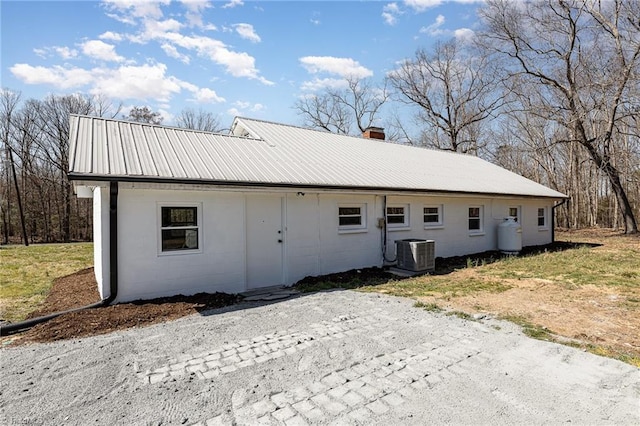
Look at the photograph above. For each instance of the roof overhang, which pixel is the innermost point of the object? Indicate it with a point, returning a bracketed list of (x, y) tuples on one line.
[(85, 179)]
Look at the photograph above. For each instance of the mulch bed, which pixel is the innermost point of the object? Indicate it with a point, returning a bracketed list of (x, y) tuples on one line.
[(80, 289)]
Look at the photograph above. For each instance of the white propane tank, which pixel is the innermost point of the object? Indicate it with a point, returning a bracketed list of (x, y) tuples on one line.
[(509, 236)]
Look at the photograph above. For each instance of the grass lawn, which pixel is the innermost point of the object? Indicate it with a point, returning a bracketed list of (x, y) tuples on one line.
[(27, 274)]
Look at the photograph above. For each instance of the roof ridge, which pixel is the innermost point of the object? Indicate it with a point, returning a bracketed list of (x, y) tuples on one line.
[(162, 126), (360, 138)]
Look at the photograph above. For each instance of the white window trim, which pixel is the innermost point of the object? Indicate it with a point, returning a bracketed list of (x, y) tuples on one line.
[(480, 231), (353, 229), (404, 226), (434, 225), (198, 207), (544, 227)]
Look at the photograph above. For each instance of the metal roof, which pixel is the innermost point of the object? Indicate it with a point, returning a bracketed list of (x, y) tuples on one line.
[(272, 154)]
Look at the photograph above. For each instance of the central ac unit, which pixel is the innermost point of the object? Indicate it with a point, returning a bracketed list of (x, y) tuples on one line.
[(416, 255)]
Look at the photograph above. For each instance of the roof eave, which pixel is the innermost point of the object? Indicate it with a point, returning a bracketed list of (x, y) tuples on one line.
[(74, 176)]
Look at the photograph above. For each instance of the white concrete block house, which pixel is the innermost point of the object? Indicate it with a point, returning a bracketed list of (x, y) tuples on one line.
[(180, 211)]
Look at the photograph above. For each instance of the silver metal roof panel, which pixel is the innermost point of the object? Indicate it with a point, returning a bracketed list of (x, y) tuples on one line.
[(278, 154)]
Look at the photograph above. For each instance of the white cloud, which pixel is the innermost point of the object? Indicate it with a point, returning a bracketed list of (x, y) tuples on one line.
[(238, 64), (318, 84), (171, 51), (65, 52), (127, 11), (247, 32), (167, 117), (167, 33), (463, 33), (57, 76), (315, 21), (98, 49), (390, 13), (434, 29), (110, 35), (422, 5), (136, 82), (233, 3), (142, 83), (194, 12), (156, 29), (62, 51), (241, 107), (40, 52), (205, 95), (344, 67), (196, 5)]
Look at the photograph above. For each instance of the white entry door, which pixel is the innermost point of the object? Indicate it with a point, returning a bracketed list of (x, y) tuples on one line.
[(265, 241)]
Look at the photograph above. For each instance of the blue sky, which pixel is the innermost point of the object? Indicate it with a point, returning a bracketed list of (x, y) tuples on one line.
[(234, 57)]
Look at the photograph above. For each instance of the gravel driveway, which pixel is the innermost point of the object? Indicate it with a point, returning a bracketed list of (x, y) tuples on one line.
[(334, 357)]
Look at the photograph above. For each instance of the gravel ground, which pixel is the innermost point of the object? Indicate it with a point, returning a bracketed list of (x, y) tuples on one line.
[(337, 357)]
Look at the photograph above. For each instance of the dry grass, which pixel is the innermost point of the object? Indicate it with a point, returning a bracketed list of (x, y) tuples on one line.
[(587, 297)]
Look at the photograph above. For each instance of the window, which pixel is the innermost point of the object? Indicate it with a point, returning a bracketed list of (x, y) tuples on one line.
[(514, 212), (352, 217), (542, 217), (432, 216), (475, 219), (179, 228), (398, 216)]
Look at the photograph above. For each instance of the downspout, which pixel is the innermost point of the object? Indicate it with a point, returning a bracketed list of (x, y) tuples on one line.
[(7, 329), (384, 231), (113, 243), (553, 219)]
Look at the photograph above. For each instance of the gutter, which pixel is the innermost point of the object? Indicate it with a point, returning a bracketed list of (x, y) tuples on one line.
[(553, 219), (7, 329), (75, 176)]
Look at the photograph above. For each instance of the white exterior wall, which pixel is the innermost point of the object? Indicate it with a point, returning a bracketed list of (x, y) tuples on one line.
[(145, 272), (313, 243), (453, 238), (101, 239)]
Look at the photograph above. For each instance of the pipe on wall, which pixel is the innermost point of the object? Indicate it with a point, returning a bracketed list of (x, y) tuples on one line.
[(7, 329), (553, 219)]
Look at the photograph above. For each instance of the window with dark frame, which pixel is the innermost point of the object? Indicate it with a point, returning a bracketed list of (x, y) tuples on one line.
[(350, 216), (542, 217), (179, 228), (475, 217), (396, 216), (431, 215)]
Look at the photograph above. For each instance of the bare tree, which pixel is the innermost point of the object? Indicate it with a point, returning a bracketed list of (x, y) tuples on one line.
[(8, 104), (53, 119), (198, 120), (583, 58), (104, 107), (143, 115), (338, 110), (454, 93)]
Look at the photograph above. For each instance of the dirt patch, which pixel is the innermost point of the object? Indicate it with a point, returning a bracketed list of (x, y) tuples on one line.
[(606, 317), (589, 315), (72, 291), (80, 289)]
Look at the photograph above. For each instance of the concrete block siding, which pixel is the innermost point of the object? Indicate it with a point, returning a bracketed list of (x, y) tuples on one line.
[(305, 234)]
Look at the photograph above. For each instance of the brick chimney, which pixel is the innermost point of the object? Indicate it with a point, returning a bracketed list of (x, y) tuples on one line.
[(373, 133)]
